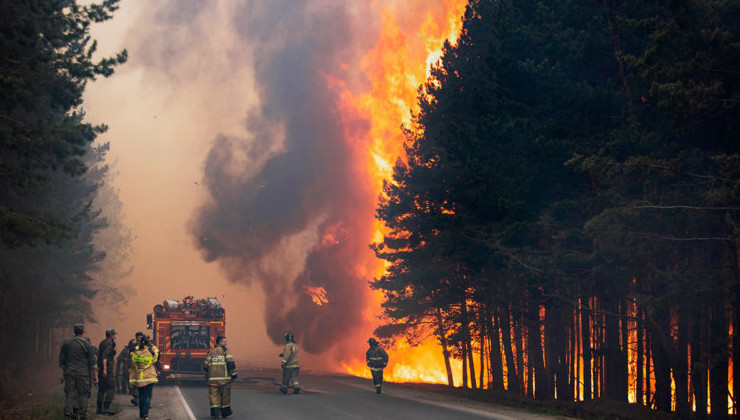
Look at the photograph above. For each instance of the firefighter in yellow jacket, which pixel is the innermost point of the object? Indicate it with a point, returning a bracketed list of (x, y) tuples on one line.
[(221, 371), (144, 373), (290, 365)]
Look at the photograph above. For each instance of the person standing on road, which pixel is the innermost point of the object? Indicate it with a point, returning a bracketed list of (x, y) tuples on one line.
[(106, 373), (132, 368), (77, 360), (145, 374), (123, 364), (221, 371), (377, 359), (290, 365)]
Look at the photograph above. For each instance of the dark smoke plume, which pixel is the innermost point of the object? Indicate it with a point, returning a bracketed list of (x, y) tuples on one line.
[(290, 205)]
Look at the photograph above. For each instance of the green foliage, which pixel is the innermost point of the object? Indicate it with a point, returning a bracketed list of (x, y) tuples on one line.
[(47, 60)]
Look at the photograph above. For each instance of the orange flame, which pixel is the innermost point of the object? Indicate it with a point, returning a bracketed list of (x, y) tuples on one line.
[(317, 294), (410, 42)]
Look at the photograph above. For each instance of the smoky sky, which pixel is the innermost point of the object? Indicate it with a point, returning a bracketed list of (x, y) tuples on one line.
[(289, 205)]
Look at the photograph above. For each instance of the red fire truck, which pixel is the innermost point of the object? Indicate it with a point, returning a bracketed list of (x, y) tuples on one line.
[(184, 331)]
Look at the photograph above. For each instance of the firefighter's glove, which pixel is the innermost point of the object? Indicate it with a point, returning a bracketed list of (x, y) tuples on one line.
[(280, 355)]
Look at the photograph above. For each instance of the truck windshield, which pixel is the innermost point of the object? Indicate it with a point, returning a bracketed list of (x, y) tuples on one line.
[(190, 337)]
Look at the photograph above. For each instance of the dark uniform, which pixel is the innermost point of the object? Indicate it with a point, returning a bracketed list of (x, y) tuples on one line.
[(123, 364), (107, 383), (77, 359), (377, 359)]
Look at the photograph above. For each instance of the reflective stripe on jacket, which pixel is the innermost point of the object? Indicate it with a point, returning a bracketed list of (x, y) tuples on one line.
[(218, 361), (376, 357), (143, 371)]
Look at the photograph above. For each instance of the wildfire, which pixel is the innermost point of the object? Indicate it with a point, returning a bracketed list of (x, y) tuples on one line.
[(318, 295), (409, 44)]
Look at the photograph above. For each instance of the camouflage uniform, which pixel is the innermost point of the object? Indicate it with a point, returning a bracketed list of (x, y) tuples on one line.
[(78, 360), (123, 364), (106, 384)]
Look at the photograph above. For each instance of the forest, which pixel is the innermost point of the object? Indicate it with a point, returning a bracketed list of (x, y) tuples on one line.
[(61, 239), (566, 217)]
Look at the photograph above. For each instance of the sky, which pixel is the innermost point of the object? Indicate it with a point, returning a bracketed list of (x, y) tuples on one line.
[(244, 140)]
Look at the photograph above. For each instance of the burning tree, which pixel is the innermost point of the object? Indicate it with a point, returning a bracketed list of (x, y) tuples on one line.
[(568, 201)]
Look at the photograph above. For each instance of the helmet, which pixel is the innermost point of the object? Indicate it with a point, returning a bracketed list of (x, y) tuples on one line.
[(372, 341), (79, 329), (289, 337)]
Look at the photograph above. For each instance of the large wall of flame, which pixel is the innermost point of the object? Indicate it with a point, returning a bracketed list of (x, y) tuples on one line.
[(251, 136)]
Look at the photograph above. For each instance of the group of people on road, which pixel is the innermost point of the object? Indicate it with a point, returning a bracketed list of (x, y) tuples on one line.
[(84, 365)]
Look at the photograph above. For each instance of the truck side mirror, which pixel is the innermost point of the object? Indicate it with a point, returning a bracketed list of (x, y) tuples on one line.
[(148, 321)]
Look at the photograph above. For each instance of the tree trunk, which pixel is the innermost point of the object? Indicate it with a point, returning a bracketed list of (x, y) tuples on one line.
[(587, 355), (615, 369), (640, 364), (495, 353), (442, 336), (467, 338), (661, 364), (718, 379), (512, 379), (536, 360), (699, 358), (680, 372)]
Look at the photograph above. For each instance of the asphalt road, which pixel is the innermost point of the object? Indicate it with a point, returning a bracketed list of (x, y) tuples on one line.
[(326, 397)]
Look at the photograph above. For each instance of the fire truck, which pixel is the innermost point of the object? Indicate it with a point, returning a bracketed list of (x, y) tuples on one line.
[(184, 331)]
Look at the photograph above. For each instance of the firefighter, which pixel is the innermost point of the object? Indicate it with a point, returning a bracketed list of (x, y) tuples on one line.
[(132, 370), (290, 365), (77, 360), (143, 361), (221, 371), (106, 372), (377, 359)]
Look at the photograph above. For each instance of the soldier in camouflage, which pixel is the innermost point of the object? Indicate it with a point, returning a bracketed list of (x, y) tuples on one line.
[(106, 373), (78, 360)]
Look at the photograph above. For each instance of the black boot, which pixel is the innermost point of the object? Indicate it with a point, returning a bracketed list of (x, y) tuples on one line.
[(106, 409), (215, 412), (284, 390), (100, 409), (297, 391), (226, 412), (377, 390)]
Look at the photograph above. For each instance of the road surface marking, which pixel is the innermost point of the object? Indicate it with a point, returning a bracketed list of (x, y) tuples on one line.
[(185, 403)]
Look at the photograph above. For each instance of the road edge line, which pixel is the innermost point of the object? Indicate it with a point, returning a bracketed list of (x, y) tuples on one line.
[(185, 403)]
